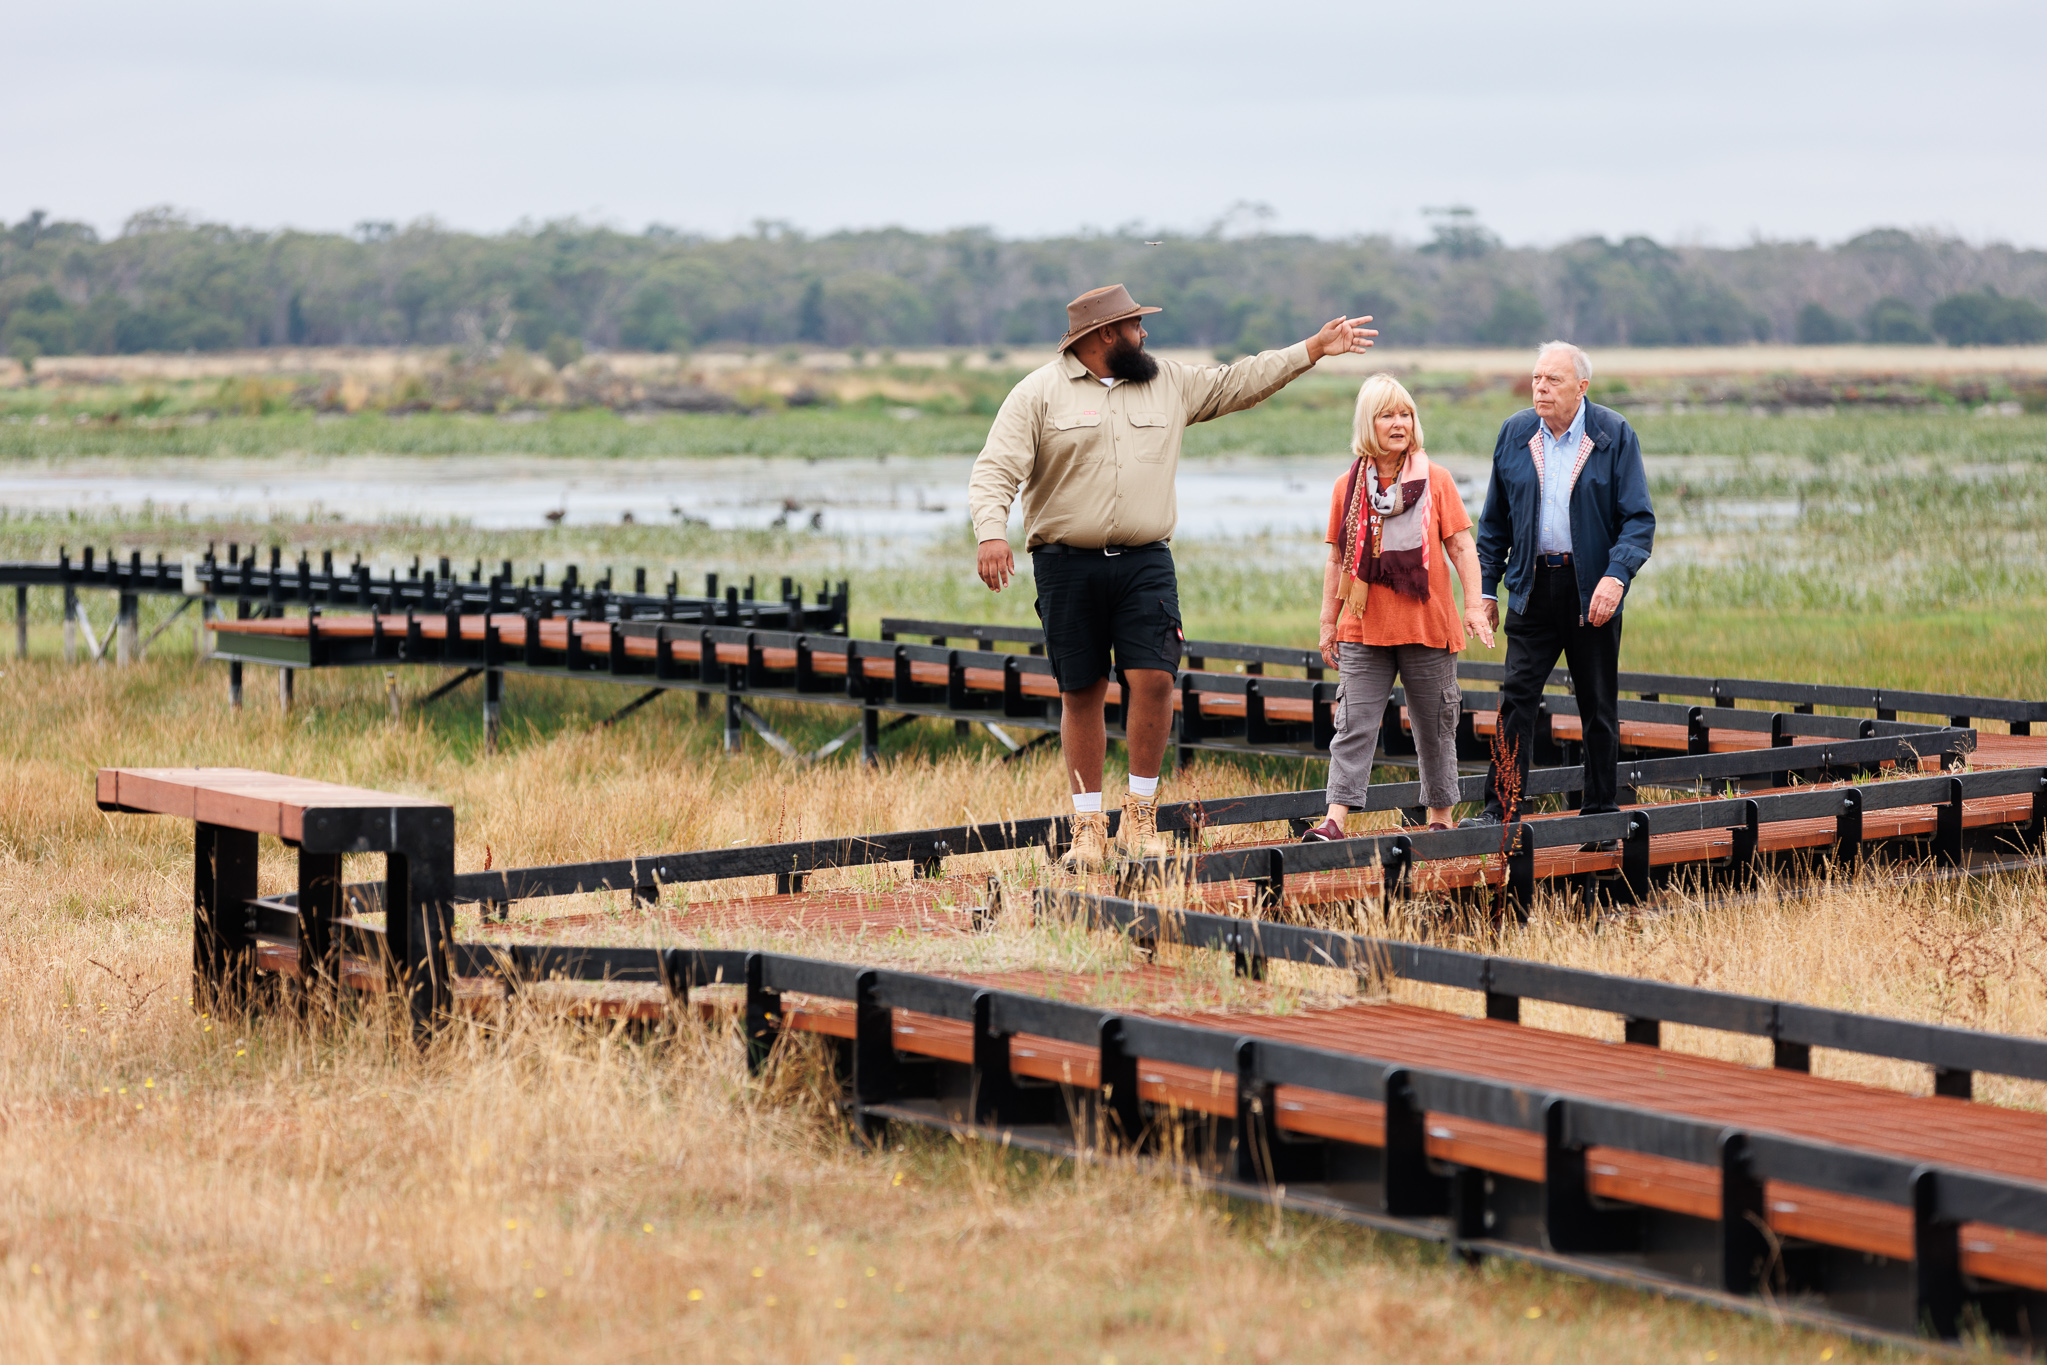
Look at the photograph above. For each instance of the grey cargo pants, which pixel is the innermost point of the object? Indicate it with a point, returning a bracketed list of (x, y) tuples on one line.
[(1365, 684)]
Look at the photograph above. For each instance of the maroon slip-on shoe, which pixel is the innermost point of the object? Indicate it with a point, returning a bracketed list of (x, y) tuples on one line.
[(1327, 832)]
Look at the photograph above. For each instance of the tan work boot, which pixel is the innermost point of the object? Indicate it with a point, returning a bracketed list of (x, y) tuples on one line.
[(1140, 828), (1090, 850)]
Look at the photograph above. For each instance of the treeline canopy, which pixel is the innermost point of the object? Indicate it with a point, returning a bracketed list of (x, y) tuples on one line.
[(167, 283)]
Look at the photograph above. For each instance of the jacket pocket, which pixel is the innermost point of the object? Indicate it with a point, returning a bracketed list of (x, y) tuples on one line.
[(1451, 710), (1150, 436)]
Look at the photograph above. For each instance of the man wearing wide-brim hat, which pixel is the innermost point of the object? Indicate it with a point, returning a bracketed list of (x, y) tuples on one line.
[(1093, 441)]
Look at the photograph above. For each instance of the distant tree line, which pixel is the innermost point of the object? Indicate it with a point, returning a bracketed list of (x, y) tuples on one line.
[(167, 283)]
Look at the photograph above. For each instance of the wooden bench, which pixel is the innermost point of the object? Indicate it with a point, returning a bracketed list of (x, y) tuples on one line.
[(230, 808)]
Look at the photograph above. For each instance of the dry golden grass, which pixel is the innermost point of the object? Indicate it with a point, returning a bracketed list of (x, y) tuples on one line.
[(176, 1188), (730, 366)]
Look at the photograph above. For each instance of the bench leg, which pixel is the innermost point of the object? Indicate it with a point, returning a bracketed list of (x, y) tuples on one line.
[(419, 921), (319, 946), (223, 952)]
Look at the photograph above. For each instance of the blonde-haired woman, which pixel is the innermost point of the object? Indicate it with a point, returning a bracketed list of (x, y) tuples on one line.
[(1396, 525)]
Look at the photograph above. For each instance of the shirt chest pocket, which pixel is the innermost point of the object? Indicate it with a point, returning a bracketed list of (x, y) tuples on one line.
[(1151, 437), (1074, 435)]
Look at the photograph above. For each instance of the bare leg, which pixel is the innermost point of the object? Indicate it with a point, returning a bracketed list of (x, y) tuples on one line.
[(1083, 739), (1440, 815), (1147, 718)]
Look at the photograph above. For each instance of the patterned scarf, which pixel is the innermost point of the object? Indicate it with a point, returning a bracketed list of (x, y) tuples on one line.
[(1385, 535)]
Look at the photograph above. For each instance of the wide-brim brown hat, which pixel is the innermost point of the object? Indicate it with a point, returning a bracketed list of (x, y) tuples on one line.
[(1099, 308)]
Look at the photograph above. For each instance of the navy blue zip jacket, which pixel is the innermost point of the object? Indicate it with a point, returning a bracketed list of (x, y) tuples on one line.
[(1612, 524)]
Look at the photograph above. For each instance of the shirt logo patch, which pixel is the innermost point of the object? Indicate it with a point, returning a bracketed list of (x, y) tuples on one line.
[(1090, 412)]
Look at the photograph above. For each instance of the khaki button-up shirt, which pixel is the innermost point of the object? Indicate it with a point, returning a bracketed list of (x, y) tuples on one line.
[(1096, 464)]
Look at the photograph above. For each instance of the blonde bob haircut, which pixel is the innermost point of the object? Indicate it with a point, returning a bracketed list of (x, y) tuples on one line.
[(1381, 393)]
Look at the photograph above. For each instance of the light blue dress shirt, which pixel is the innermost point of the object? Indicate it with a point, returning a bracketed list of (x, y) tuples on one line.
[(1553, 533)]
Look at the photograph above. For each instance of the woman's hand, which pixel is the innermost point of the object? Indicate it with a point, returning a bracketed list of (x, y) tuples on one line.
[(1477, 621), (1328, 643)]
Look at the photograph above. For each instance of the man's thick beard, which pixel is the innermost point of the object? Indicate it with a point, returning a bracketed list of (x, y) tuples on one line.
[(1129, 361)]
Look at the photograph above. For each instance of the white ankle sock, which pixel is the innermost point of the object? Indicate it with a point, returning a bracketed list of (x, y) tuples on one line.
[(1087, 803), (1146, 787)]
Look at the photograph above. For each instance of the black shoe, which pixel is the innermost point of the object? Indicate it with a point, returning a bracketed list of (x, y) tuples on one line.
[(1328, 832), (1480, 821), (1601, 846)]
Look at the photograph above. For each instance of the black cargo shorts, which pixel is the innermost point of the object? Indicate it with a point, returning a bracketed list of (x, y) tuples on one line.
[(1093, 603)]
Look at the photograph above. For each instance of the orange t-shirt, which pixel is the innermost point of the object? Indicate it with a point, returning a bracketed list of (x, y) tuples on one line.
[(1392, 618)]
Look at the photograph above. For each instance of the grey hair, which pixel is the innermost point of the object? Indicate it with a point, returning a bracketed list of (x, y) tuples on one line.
[(1580, 362)]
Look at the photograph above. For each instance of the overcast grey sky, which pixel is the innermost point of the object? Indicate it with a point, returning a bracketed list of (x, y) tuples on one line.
[(1690, 122)]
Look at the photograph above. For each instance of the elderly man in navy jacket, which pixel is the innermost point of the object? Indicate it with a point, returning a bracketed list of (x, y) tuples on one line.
[(1567, 525)]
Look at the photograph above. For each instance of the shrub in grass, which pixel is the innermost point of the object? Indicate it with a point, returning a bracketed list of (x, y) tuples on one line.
[(1891, 321), (1819, 326), (1989, 319)]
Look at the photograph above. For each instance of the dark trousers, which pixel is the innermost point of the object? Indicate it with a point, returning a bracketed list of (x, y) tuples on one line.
[(1534, 640)]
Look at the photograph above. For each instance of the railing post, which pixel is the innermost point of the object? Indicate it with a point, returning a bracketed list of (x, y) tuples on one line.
[(877, 1072), (1570, 1224), (1408, 1186), (70, 622), (1498, 1004), (1947, 837), (1937, 1289), (1521, 870), (1635, 858), (763, 1014), (1743, 841), (21, 621), (1744, 1240), (1117, 1072), (1397, 865), (997, 1100), (1270, 890), (493, 695), (1190, 720), (1848, 829)]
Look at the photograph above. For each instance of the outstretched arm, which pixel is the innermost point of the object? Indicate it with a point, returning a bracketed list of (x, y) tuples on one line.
[(1214, 390)]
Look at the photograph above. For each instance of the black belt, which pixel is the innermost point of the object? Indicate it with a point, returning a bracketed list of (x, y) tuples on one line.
[(1111, 551), (1553, 561)]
